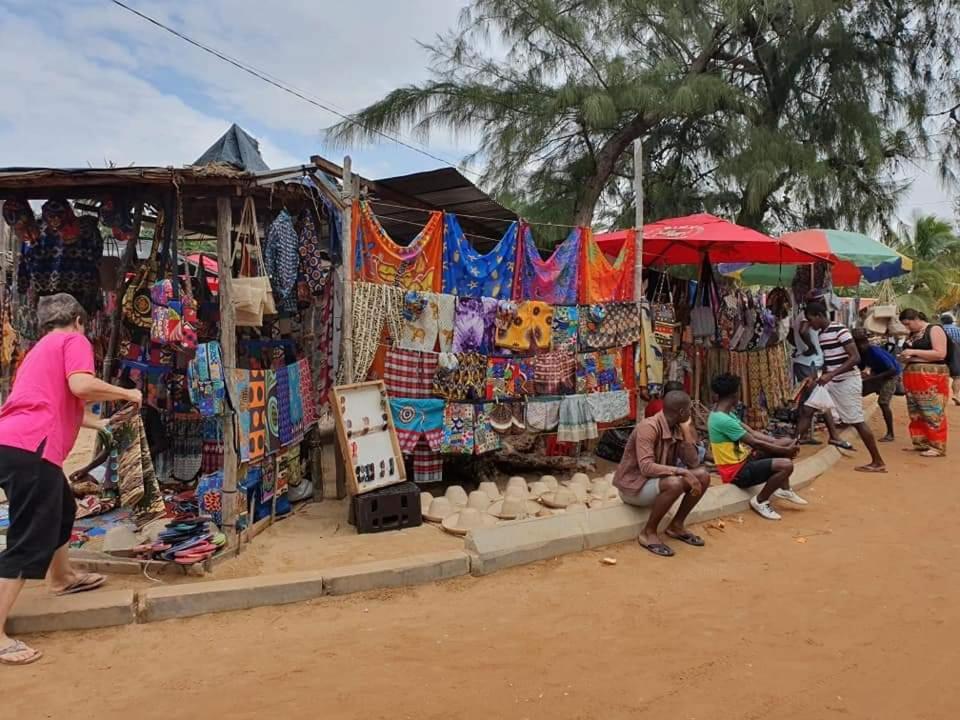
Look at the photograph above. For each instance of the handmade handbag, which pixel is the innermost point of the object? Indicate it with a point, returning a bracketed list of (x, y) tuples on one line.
[(205, 380), (251, 293), (167, 313), (208, 307), (702, 319), (136, 304), (665, 325)]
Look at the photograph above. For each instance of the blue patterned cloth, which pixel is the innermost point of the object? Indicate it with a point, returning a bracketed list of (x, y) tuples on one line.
[(281, 255), (467, 272)]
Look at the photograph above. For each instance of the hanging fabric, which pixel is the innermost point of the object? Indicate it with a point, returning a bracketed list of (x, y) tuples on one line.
[(703, 319), (553, 280), (282, 261), (467, 272), (380, 260), (602, 280)]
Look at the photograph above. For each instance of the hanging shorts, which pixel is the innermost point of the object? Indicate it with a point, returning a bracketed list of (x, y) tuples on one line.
[(42, 510)]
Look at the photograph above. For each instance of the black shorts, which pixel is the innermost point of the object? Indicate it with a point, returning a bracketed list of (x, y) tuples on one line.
[(42, 510), (755, 472)]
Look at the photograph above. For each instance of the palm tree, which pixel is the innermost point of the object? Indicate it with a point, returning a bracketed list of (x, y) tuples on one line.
[(934, 247)]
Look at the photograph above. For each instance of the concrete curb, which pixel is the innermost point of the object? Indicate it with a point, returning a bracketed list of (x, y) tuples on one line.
[(485, 552)]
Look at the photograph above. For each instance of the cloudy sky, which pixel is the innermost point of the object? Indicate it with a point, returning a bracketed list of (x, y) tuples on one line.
[(85, 83)]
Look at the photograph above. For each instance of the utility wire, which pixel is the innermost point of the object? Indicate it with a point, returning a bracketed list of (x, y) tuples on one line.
[(261, 75)]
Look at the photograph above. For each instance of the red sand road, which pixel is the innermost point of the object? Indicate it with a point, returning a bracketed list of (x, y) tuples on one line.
[(845, 609)]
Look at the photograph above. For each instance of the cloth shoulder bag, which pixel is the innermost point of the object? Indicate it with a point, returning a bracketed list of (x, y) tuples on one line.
[(665, 323), (251, 293), (137, 304), (702, 318)]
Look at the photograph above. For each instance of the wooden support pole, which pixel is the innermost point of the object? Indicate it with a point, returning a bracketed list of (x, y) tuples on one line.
[(228, 345), (638, 221), (348, 260)]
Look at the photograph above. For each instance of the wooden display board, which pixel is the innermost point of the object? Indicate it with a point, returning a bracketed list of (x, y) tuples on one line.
[(367, 437)]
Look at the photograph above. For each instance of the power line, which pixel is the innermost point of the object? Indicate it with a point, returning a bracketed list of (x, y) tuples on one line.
[(287, 88)]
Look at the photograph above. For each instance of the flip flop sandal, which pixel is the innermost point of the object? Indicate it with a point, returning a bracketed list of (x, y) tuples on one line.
[(842, 444), (82, 585), (658, 549), (689, 538), (18, 646), (192, 559), (869, 469)]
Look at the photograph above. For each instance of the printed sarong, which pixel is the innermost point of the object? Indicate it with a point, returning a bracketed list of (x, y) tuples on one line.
[(380, 260), (468, 273), (554, 280)]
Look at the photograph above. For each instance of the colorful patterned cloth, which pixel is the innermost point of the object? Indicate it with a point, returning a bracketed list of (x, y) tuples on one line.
[(525, 326), (307, 395), (284, 421), (415, 418), (421, 321), (380, 260), (649, 354), (928, 396), (297, 426), (566, 328), (609, 406), (427, 463), (134, 474), (458, 419), (314, 269), (238, 386), (602, 281), (467, 272), (576, 421), (257, 430), (555, 373), (409, 374), (473, 325), (599, 372), (507, 417), (609, 326), (281, 255), (210, 496), (554, 280), (212, 452), (485, 438), (460, 376), (503, 375)]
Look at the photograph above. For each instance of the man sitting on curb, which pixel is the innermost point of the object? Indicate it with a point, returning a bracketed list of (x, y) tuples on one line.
[(746, 457), (882, 379), (648, 475)]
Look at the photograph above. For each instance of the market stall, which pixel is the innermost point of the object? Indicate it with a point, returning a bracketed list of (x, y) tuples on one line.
[(211, 288)]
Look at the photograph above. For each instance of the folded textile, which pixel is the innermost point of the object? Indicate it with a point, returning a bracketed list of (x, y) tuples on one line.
[(555, 373), (524, 326), (610, 325), (566, 328), (599, 371), (473, 325), (543, 415)]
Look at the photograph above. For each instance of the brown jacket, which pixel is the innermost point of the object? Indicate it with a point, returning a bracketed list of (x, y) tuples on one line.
[(652, 450)]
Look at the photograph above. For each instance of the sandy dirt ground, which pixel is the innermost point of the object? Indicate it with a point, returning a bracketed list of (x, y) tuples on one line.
[(844, 609)]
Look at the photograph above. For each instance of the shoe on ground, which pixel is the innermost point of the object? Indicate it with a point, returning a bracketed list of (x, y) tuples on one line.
[(764, 509), (790, 496)]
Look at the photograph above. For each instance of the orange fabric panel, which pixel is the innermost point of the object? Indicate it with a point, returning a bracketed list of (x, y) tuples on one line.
[(416, 266), (602, 280)]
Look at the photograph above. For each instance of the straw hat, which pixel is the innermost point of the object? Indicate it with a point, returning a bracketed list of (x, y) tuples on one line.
[(550, 481), (478, 500), (560, 498), (440, 508), (579, 479), (425, 500), (516, 482), (456, 495), (576, 508), (466, 520), (538, 488), (491, 489), (513, 507), (602, 490), (609, 477), (581, 492), (597, 503)]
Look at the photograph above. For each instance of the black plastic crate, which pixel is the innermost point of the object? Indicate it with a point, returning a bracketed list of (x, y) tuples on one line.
[(392, 508)]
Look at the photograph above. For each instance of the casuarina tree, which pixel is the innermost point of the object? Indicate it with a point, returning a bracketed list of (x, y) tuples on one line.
[(777, 114)]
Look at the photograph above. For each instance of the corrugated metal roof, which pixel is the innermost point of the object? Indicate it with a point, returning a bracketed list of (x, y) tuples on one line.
[(401, 203)]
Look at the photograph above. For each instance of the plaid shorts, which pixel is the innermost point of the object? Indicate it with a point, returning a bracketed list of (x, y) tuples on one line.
[(409, 373)]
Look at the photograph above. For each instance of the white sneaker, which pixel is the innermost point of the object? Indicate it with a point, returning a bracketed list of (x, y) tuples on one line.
[(764, 509), (790, 496)]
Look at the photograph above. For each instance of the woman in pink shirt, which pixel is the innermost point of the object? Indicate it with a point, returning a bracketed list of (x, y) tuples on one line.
[(39, 424)]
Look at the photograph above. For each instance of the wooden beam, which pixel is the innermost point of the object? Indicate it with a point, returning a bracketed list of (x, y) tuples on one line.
[(228, 344)]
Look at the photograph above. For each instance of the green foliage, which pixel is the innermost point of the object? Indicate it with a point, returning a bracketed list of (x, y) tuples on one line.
[(778, 114), (935, 249)]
